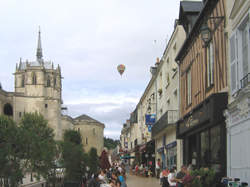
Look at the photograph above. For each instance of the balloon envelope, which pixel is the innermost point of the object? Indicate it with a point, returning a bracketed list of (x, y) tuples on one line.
[(121, 68)]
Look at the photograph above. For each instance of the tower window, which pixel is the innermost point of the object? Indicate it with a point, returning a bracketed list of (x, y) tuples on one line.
[(33, 78), (20, 114), (86, 141), (94, 131), (46, 105), (55, 82), (48, 81), (22, 83)]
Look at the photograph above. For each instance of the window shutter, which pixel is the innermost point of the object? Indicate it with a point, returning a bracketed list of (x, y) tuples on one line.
[(233, 63)]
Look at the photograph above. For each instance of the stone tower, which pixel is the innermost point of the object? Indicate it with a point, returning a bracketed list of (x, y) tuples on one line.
[(38, 88)]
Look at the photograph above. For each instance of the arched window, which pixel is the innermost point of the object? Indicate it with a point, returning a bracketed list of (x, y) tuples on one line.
[(48, 81), (33, 78), (54, 81), (7, 109), (22, 82)]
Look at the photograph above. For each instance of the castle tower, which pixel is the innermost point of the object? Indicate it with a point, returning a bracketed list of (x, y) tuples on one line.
[(38, 88)]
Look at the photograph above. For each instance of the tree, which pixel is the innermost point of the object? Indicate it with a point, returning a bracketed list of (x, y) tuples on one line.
[(10, 155), (110, 143), (93, 160), (104, 162), (37, 144), (73, 155)]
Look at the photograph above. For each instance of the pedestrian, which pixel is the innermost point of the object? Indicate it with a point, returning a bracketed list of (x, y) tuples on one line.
[(180, 175), (122, 178), (171, 178), (158, 168), (164, 177), (94, 182)]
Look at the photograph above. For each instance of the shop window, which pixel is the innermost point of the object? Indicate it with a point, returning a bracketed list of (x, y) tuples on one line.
[(172, 157), (215, 145), (205, 150)]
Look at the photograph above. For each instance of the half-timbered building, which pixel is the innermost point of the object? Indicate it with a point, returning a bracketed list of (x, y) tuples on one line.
[(203, 88)]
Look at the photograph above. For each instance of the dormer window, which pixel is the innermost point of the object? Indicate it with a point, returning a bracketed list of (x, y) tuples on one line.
[(33, 78)]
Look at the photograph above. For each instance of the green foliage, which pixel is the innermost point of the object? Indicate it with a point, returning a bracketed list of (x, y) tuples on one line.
[(110, 143), (72, 136), (203, 177), (93, 160), (38, 144), (29, 146), (10, 156), (73, 157)]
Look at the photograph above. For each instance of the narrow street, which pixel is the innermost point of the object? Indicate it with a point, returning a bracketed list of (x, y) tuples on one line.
[(137, 181)]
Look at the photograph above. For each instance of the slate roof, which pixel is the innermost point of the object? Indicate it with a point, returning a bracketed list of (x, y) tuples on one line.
[(191, 6), (85, 117)]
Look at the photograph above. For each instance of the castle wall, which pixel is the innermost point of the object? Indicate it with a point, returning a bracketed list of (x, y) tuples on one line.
[(92, 135)]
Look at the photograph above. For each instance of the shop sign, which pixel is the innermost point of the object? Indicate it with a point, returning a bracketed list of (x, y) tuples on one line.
[(171, 145), (150, 119)]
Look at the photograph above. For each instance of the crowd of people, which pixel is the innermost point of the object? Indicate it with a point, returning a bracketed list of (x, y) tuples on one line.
[(172, 178), (112, 177)]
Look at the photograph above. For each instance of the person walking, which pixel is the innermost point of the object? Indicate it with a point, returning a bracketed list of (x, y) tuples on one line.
[(158, 168)]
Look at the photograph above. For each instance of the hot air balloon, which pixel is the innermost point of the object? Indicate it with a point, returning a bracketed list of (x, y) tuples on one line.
[(121, 69)]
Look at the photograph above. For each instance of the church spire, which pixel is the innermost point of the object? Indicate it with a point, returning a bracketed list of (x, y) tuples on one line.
[(39, 52)]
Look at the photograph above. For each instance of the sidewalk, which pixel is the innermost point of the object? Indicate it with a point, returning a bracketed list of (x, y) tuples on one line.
[(138, 181)]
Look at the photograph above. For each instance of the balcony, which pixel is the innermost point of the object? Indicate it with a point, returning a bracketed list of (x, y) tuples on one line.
[(170, 117), (245, 81)]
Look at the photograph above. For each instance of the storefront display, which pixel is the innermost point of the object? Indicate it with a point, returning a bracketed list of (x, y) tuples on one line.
[(204, 134)]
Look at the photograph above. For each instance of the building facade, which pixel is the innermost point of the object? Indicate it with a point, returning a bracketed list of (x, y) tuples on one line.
[(238, 110), (167, 148), (203, 88)]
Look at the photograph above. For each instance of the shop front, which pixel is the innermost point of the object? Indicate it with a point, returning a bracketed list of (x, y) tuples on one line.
[(171, 150), (203, 132)]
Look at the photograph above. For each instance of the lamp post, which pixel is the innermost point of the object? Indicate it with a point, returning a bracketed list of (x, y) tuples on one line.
[(205, 34)]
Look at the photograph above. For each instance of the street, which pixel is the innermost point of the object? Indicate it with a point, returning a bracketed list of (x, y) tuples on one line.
[(137, 181)]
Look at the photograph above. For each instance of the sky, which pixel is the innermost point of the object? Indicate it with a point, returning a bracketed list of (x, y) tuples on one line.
[(89, 39)]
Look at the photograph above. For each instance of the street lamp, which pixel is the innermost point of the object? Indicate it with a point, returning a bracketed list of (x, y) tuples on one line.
[(205, 34)]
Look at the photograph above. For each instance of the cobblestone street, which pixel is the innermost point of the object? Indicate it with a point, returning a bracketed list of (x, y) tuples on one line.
[(136, 181)]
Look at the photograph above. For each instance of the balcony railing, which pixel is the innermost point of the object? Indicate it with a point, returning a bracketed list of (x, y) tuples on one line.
[(245, 81), (170, 117)]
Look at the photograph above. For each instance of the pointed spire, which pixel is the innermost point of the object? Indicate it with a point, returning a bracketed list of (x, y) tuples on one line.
[(39, 52)]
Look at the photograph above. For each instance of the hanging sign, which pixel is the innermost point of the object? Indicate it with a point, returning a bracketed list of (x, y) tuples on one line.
[(150, 119)]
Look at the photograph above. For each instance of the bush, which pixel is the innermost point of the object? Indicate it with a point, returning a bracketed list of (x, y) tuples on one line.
[(203, 177)]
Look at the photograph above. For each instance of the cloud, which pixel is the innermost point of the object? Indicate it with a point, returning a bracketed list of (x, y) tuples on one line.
[(89, 39)]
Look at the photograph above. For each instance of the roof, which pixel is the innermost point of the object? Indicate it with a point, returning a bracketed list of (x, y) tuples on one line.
[(208, 6), (85, 117), (191, 6)]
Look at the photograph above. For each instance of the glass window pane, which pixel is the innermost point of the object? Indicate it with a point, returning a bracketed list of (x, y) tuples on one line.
[(215, 144), (205, 148)]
